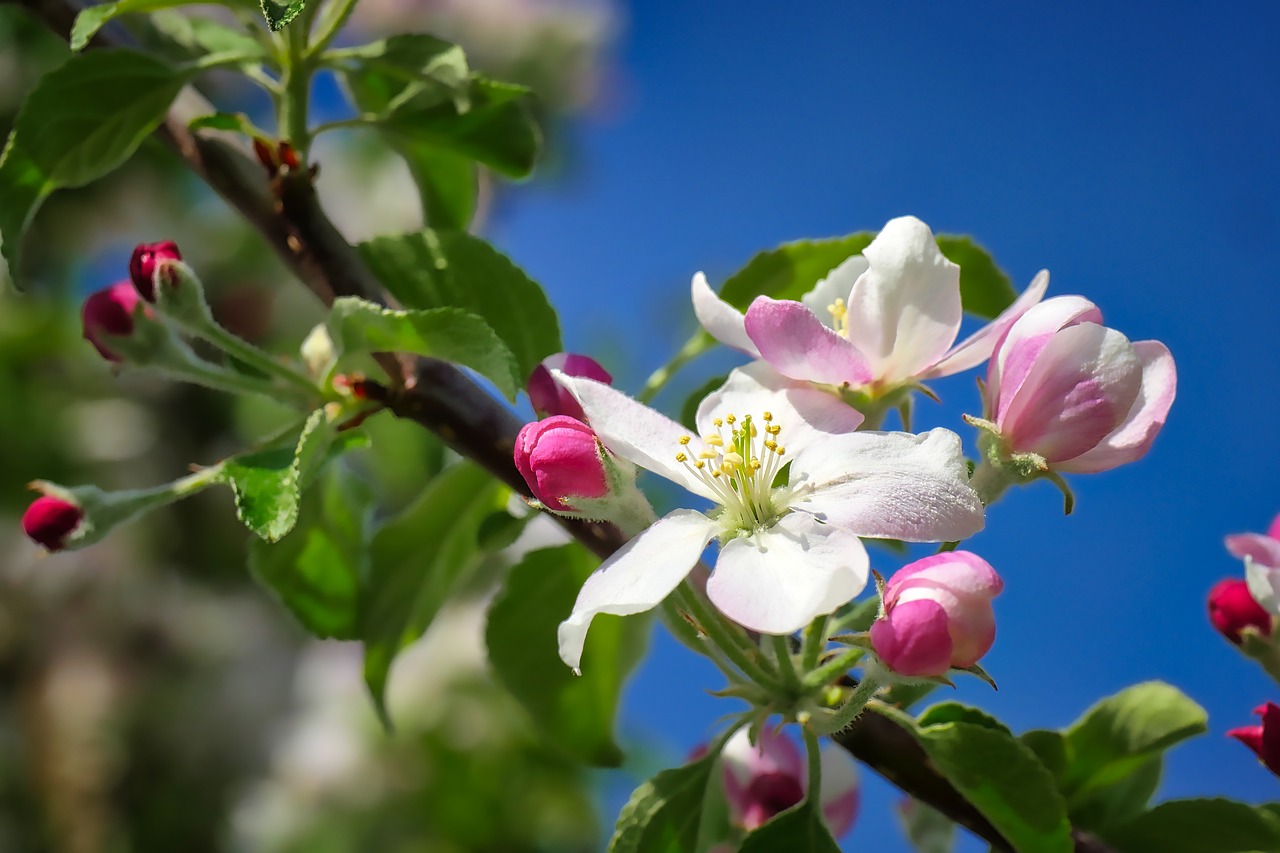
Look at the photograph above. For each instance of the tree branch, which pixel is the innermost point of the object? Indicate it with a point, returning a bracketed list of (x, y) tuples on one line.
[(445, 401)]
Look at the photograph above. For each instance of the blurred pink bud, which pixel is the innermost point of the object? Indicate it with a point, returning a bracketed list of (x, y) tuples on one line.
[(142, 266), (1075, 392), (1232, 608), (1261, 555), (937, 614), (771, 777), (548, 397), (49, 520), (560, 460), (109, 312), (1264, 740)]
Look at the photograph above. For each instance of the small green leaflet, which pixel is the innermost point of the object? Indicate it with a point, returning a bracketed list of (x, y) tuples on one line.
[(278, 15)]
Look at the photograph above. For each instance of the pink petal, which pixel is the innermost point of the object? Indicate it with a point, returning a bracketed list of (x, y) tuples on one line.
[(904, 311), (913, 639), (1133, 438), (774, 752), (796, 344), (963, 572), (1022, 343), (719, 318), (1262, 549), (840, 792), (978, 347)]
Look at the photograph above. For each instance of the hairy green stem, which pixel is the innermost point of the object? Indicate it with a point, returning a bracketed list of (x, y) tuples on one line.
[(815, 639), (729, 638), (873, 678), (786, 665), (263, 362)]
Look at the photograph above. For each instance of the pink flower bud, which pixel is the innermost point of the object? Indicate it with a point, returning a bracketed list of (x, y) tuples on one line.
[(109, 312), (937, 615), (771, 777), (1075, 392), (560, 460), (49, 520), (1264, 740), (142, 265), (548, 398), (1232, 608)]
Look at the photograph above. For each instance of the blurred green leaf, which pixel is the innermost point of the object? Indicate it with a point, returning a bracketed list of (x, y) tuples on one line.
[(203, 40), (575, 712), (800, 829), (792, 269), (954, 712), (442, 268), (689, 409), (94, 18), (235, 122), (451, 334), (928, 830), (278, 15), (391, 72), (663, 814), (416, 561), (985, 290), (80, 122), (1199, 826), (1102, 807), (447, 184), (1049, 746)]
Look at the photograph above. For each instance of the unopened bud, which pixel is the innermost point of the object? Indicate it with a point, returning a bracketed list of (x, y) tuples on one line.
[(1232, 609), (49, 520), (142, 265), (110, 313), (1264, 739), (560, 459), (548, 397)]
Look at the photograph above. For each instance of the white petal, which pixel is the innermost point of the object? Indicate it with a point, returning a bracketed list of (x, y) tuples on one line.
[(777, 580), (806, 416), (1264, 585), (638, 576), (978, 347), (718, 317), (904, 311), (837, 285), (840, 793), (636, 432), (895, 485)]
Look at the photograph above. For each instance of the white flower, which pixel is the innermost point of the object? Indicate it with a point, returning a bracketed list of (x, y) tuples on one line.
[(788, 552)]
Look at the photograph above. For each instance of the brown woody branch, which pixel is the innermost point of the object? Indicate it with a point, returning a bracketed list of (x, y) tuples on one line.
[(445, 401)]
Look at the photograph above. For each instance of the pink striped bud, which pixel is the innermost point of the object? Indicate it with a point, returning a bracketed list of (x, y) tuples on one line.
[(546, 395), (560, 459)]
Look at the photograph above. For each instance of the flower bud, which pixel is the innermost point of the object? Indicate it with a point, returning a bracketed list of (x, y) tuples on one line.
[(1232, 609), (1264, 740), (109, 312), (49, 520), (548, 397), (771, 777), (937, 615), (560, 458), (142, 265)]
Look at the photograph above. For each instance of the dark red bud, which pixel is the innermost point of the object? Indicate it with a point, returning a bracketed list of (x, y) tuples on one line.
[(289, 156), (265, 155), (49, 520), (1232, 609), (1264, 740), (142, 266), (109, 312)]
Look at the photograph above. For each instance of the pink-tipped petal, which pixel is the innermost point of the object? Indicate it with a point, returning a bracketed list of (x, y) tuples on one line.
[(963, 572), (837, 285), (776, 581), (978, 347), (796, 344), (904, 311), (719, 318), (774, 752), (913, 639), (840, 790), (1018, 350), (638, 576), (1262, 549), (1274, 530), (1134, 437)]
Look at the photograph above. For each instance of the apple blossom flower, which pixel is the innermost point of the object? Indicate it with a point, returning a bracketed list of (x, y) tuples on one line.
[(549, 398), (1263, 739), (109, 313), (789, 546), (1261, 555), (880, 320), (49, 520), (142, 265), (764, 780), (1232, 608), (559, 458), (937, 615)]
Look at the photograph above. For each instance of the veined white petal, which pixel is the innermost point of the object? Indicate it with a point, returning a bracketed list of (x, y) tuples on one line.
[(638, 576), (837, 285), (719, 318)]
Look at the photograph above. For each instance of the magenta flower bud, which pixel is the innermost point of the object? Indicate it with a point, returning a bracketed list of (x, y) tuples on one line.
[(1079, 395), (548, 397), (559, 458), (937, 615), (771, 777), (109, 312), (49, 520), (1264, 740), (142, 265), (1232, 608)]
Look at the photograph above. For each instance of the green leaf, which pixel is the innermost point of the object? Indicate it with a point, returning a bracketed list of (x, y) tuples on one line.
[(792, 269), (440, 268), (278, 15), (929, 830), (954, 712), (447, 184), (80, 122), (1109, 805), (663, 814), (207, 42), (575, 712), (94, 18), (315, 571), (234, 122), (1199, 826), (1050, 747), (985, 289), (414, 66), (799, 829), (450, 334), (416, 560), (1116, 737)]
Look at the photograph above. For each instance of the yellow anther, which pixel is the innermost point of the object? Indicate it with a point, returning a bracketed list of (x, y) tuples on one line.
[(707, 454), (714, 440), (685, 439), (731, 419), (773, 429), (755, 463), (768, 416), (771, 444), (680, 457), (732, 458), (718, 422), (754, 431), (781, 451), (700, 465)]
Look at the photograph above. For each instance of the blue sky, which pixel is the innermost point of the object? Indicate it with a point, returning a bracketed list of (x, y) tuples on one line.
[(1130, 150)]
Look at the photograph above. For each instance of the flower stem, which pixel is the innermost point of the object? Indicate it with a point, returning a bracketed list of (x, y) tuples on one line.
[(989, 482), (832, 669), (786, 665), (815, 638), (873, 678), (692, 348), (814, 755), (687, 634), (246, 352), (729, 638)]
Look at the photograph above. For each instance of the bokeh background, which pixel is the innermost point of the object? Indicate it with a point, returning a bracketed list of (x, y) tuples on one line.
[(151, 698)]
